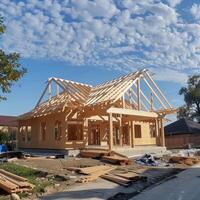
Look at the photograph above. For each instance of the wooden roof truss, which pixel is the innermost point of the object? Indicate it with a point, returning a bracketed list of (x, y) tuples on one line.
[(125, 92)]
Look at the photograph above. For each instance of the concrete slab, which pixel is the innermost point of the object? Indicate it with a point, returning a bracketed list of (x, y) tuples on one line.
[(99, 190), (183, 187)]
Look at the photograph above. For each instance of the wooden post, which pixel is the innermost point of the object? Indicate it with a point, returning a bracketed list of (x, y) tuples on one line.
[(162, 133), (66, 128), (85, 131), (157, 132), (110, 132), (133, 134), (17, 137), (138, 94), (120, 131), (130, 133)]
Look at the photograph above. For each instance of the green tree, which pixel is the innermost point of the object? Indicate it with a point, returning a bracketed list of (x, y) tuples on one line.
[(191, 94), (10, 68)]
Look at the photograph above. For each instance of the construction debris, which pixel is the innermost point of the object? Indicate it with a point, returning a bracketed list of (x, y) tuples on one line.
[(184, 160), (11, 154), (93, 174), (116, 159), (124, 179), (148, 160), (93, 153), (12, 183), (90, 170)]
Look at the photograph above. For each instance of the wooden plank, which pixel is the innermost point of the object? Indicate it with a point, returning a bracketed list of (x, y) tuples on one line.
[(110, 132), (131, 176), (117, 179), (19, 178), (95, 175), (116, 160)]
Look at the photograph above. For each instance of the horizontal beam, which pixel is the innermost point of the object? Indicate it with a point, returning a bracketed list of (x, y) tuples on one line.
[(131, 112)]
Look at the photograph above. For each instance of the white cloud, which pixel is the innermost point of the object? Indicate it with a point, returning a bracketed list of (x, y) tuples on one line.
[(170, 75), (124, 36), (174, 3), (195, 11)]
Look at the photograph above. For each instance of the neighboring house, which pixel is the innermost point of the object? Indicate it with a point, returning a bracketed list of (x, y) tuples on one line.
[(9, 125), (182, 133), (127, 111)]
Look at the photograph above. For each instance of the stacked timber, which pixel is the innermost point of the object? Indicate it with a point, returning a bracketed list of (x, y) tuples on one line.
[(116, 159), (93, 153), (12, 183), (91, 173), (105, 172), (124, 179)]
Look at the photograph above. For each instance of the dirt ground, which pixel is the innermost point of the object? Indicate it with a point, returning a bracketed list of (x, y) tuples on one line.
[(57, 169), (57, 166)]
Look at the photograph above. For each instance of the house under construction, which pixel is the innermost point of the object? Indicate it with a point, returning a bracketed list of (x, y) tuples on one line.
[(125, 112)]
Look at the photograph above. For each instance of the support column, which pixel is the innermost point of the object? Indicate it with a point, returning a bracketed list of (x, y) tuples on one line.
[(85, 131), (162, 133), (157, 132), (120, 131), (66, 129), (17, 137), (133, 134), (110, 131), (130, 133)]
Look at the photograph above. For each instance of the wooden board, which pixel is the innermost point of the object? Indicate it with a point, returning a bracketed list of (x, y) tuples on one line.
[(116, 160)]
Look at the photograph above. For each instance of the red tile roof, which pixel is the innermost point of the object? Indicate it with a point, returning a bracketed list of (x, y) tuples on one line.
[(8, 121)]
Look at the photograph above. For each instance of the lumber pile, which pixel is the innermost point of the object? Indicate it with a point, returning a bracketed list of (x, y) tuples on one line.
[(89, 153), (124, 179), (105, 171), (12, 183), (116, 159), (184, 160), (90, 170), (91, 173)]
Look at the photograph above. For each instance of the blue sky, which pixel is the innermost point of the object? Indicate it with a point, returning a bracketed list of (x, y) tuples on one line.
[(93, 41)]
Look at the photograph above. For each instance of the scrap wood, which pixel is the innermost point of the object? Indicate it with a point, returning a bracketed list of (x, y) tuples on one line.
[(183, 160), (117, 179), (93, 153), (89, 170), (131, 176), (94, 175), (116, 160)]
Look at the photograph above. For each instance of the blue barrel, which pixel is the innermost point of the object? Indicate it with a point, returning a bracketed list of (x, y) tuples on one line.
[(3, 148)]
